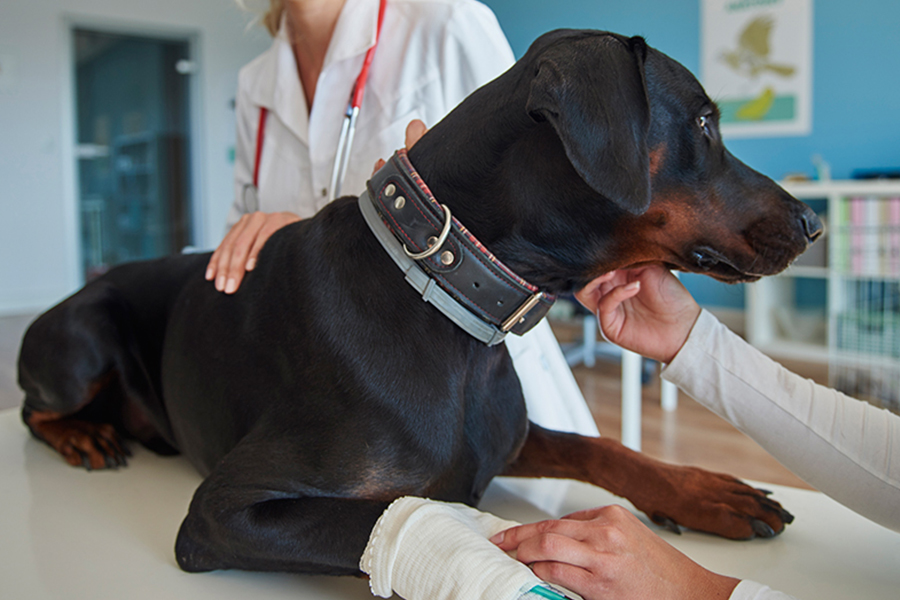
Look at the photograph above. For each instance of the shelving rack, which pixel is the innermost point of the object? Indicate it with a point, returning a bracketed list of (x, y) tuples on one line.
[(840, 302)]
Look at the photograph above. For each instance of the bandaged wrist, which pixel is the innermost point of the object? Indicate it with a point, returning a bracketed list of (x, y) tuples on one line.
[(427, 550)]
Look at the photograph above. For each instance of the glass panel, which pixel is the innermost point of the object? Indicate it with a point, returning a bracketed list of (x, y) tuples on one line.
[(133, 148)]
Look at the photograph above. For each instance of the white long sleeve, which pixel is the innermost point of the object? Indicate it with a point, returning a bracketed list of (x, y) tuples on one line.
[(846, 448)]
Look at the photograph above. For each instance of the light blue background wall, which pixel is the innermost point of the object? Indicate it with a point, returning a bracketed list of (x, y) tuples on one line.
[(856, 81)]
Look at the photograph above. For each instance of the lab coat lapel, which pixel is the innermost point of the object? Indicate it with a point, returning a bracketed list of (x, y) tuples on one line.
[(354, 32), (289, 100), (277, 86)]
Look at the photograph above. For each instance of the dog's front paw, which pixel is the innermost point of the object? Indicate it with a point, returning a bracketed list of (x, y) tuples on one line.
[(674, 497)]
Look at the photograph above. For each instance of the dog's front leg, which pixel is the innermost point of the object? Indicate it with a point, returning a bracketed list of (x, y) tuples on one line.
[(670, 495), (300, 535), (256, 514)]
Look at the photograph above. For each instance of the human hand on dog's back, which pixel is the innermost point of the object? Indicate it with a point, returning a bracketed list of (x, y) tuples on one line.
[(238, 251), (608, 553), (646, 310)]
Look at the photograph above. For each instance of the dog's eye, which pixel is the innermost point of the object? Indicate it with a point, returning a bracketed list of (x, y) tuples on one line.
[(707, 126), (704, 123)]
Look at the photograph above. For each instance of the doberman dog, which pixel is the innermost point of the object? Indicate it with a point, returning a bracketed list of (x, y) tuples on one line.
[(326, 388)]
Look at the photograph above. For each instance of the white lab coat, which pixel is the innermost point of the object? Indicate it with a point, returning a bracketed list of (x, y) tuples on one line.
[(431, 55)]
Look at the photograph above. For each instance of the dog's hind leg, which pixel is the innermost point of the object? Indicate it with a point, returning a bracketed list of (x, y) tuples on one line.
[(257, 513), (670, 495), (75, 365)]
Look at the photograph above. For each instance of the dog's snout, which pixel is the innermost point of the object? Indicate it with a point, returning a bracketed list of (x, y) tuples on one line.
[(812, 226)]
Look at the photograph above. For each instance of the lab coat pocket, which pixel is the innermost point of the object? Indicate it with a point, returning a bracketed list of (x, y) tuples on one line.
[(287, 183), (392, 136)]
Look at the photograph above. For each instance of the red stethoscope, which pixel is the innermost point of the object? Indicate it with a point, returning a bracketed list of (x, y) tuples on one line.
[(348, 129)]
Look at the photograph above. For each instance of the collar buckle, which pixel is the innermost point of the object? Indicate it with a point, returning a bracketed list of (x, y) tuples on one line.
[(519, 315)]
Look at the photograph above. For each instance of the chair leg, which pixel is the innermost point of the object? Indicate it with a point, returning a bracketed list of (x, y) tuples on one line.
[(631, 400), (668, 396), (589, 340)]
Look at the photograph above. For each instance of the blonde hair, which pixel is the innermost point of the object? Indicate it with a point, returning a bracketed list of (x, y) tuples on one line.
[(270, 18)]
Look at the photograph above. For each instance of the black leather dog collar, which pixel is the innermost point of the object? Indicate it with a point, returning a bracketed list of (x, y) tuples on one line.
[(429, 242)]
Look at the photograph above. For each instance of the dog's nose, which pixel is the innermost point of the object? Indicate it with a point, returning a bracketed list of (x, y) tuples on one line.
[(812, 226)]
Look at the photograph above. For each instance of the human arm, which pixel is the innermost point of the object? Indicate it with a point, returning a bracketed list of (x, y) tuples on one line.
[(646, 310), (607, 552), (844, 447), (428, 550)]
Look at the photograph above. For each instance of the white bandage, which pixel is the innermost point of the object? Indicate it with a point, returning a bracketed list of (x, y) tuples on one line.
[(427, 550)]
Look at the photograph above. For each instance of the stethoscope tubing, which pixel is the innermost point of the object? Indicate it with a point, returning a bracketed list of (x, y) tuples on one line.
[(341, 158), (348, 127)]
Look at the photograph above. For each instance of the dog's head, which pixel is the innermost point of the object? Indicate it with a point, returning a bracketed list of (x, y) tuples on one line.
[(640, 131)]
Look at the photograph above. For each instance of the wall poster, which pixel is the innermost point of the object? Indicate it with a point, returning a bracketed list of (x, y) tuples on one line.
[(756, 63)]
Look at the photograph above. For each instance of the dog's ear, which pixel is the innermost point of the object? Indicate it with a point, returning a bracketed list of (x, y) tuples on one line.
[(596, 99)]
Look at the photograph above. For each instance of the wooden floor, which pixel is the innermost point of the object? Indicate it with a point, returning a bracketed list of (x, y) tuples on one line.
[(690, 435)]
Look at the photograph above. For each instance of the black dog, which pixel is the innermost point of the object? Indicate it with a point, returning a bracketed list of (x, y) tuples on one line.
[(325, 388)]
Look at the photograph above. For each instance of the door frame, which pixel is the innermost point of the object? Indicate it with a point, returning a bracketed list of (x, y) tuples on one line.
[(71, 185)]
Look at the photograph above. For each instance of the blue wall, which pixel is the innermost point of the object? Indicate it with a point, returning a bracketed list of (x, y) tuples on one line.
[(856, 81)]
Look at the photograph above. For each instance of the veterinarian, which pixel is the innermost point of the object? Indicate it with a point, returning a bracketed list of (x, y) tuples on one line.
[(426, 56), (846, 448)]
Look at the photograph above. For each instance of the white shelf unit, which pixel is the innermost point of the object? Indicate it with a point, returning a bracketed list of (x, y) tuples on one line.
[(855, 269)]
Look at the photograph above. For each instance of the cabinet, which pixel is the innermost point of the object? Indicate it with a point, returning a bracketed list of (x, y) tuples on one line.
[(840, 301), (134, 199)]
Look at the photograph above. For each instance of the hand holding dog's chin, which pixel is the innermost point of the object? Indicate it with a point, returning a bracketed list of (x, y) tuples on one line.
[(646, 310), (608, 553)]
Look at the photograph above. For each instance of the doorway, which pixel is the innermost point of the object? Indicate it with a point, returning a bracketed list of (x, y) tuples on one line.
[(132, 147)]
